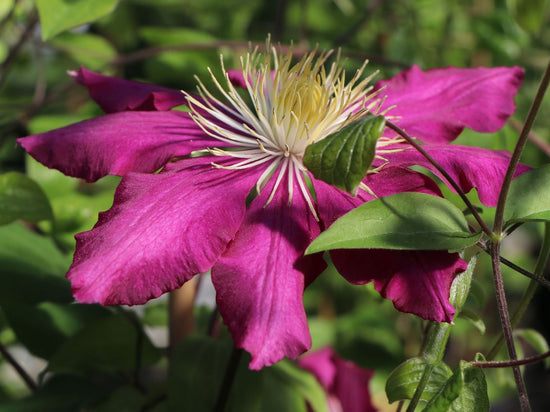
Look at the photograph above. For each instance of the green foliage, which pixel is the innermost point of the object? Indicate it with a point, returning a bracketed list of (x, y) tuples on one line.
[(343, 158), (529, 197), (406, 221), (466, 390), (57, 16), (404, 380), (198, 368), (21, 198)]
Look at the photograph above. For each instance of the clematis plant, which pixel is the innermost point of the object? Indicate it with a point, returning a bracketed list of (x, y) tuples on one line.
[(345, 383), (233, 195)]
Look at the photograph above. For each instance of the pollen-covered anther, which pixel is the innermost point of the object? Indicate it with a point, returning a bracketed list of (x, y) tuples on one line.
[(290, 106)]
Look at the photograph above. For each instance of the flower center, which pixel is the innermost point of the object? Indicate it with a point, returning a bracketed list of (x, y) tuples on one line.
[(291, 106)]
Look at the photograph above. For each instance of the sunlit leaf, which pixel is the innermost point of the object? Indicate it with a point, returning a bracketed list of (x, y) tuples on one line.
[(409, 221), (529, 197), (343, 158), (21, 198), (57, 16)]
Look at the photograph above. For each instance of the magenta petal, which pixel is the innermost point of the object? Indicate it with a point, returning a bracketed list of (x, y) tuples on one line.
[(417, 282), (345, 383), (258, 282), (436, 105), (162, 229), (117, 143), (333, 203), (117, 95), (470, 167)]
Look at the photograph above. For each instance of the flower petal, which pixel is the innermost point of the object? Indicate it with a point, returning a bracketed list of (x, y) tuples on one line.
[(117, 95), (470, 167), (118, 143), (346, 384), (417, 282), (258, 282), (436, 105), (162, 229)]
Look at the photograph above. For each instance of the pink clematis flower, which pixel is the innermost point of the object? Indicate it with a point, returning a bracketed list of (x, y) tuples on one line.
[(345, 383), (232, 195)]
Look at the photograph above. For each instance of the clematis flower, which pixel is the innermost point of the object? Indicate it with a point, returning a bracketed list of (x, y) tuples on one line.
[(233, 196), (345, 383)]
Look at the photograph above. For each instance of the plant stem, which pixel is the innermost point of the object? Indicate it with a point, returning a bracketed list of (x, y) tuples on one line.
[(530, 291), (506, 326), (451, 181), (18, 368), (497, 229), (230, 372), (537, 278), (506, 364), (420, 388)]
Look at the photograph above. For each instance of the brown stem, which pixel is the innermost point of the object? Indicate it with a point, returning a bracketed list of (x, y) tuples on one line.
[(506, 325), (451, 181), (18, 368), (507, 364)]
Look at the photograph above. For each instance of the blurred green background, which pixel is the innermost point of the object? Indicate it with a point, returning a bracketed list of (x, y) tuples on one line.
[(167, 42)]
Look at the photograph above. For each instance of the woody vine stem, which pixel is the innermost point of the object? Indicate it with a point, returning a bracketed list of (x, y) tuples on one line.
[(495, 235)]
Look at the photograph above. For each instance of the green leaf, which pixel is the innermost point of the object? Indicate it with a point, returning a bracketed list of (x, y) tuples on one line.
[(21, 198), (86, 49), (460, 287), (61, 394), (45, 327), (343, 158), (57, 16), (535, 339), (402, 382), (466, 390), (32, 267), (474, 319), (529, 197), (530, 14), (300, 381), (408, 221), (123, 399), (197, 369), (108, 344)]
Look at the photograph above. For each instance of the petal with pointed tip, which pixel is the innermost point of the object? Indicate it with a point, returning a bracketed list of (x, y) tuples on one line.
[(258, 282), (117, 95), (162, 229), (436, 105), (118, 143)]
